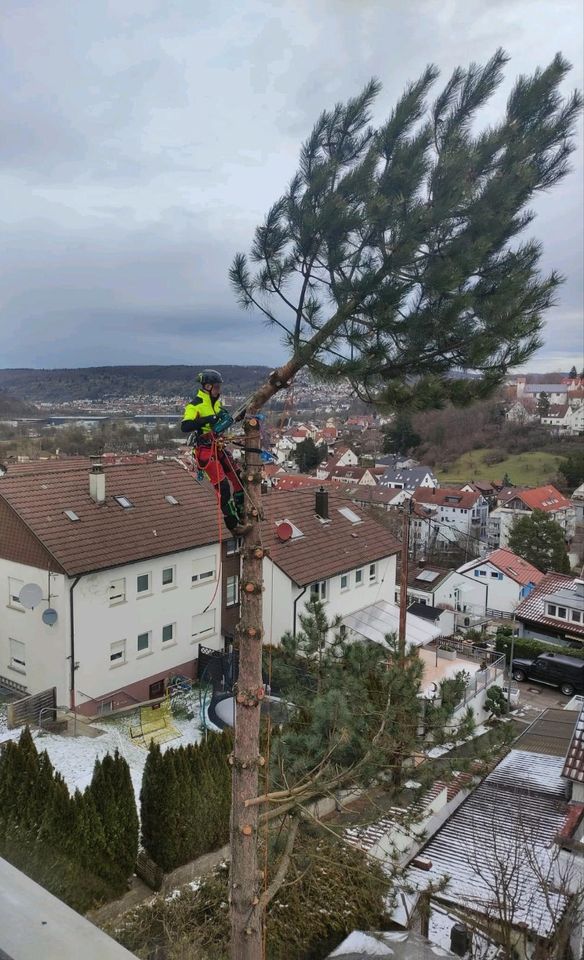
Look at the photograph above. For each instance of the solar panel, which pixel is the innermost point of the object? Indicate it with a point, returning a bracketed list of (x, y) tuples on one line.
[(428, 576)]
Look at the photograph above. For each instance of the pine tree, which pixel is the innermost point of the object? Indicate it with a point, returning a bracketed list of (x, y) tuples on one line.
[(540, 541), (393, 259), (113, 795)]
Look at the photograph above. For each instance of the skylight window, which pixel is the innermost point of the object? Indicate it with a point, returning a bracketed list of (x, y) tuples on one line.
[(70, 514), (428, 576), (170, 499), (350, 515), (124, 502)]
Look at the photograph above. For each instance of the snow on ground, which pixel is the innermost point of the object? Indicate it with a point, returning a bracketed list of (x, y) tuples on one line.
[(74, 757)]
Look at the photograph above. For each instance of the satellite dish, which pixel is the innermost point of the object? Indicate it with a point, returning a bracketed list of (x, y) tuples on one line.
[(50, 616), (284, 531), (30, 595)]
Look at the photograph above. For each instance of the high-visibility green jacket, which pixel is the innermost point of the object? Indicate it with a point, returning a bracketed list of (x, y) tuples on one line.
[(201, 413)]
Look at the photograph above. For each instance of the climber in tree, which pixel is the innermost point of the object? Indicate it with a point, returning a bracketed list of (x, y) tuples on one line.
[(202, 414)]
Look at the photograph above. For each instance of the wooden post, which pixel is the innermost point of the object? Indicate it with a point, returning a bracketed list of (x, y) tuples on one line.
[(403, 585), (245, 881)]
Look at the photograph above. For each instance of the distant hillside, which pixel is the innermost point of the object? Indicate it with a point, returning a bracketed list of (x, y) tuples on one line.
[(11, 406), (98, 383)]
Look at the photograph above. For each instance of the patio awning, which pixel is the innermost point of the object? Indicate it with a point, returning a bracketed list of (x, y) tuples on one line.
[(379, 619)]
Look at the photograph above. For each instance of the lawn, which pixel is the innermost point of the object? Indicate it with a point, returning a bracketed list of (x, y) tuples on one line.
[(525, 469)]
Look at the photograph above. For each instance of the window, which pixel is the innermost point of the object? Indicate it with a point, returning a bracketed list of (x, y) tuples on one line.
[(117, 591), (202, 625), (156, 690), (124, 502), (172, 500), (359, 577), (168, 576), (551, 609), (563, 613), (71, 515), (14, 588), (232, 591), (143, 643), (345, 581), (497, 576), (203, 570), (17, 656), (168, 633), (118, 652), (143, 583), (576, 616), (233, 545), (372, 573), (318, 590)]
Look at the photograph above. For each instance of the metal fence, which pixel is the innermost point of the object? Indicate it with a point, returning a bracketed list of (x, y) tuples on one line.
[(483, 679)]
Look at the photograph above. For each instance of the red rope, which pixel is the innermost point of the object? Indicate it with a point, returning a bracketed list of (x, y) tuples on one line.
[(219, 526)]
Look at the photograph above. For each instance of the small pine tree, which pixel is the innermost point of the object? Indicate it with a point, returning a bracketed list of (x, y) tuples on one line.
[(113, 795)]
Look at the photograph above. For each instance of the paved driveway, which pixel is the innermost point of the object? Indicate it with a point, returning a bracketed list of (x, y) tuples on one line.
[(533, 698)]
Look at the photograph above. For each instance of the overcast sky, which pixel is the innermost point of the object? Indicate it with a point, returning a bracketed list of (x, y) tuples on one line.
[(143, 140)]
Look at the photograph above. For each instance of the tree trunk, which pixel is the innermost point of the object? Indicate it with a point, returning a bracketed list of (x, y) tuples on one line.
[(245, 885)]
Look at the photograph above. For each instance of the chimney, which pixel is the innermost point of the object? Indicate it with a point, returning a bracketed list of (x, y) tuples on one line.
[(322, 504), (97, 482)]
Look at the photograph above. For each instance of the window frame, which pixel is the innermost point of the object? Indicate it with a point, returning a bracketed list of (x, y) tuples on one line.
[(116, 661), (13, 601), (347, 579), (169, 641), (233, 581), (207, 631), (552, 609), (148, 649), (208, 575), (372, 577), (117, 598), (148, 590), (172, 582), (321, 591), (14, 662), (359, 578)]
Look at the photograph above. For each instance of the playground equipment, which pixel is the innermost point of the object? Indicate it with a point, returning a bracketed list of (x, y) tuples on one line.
[(155, 724)]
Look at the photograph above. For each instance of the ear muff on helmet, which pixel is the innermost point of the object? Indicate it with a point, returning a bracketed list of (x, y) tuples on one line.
[(209, 376)]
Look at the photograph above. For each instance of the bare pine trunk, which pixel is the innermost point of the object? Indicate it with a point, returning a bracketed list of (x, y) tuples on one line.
[(245, 881)]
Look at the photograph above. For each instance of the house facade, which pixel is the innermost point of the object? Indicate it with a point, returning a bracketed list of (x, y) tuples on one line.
[(127, 559), (408, 478), (343, 558), (523, 502), (507, 579), (554, 610), (457, 514)]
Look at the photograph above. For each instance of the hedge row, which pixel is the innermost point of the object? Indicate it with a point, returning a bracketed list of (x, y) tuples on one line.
[(527, 647)]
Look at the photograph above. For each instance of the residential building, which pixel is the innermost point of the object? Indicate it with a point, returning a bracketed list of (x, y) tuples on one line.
[(423, 581), (507, 579), (554, 610), (375, 496), (520, 808), (578, 505), (555, 392), (320, 547), (408, 478), (459, 515), (519, 503), (395, 460), (343, 456), (127, 558), (566, 419), (365, 476)]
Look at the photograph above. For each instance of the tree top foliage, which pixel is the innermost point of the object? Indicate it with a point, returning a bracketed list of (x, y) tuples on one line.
[(394, 258)]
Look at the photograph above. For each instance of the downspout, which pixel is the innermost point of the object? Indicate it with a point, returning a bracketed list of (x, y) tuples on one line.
[(294, 614), (72, 645)]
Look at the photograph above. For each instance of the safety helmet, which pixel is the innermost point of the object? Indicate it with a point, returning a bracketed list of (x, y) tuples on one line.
[(209, 376)]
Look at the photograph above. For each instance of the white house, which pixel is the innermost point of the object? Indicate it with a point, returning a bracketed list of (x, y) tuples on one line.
[(321, 547), (554, 610), (520, 503), (408, 478), (458, 514), (127, 557), (506, 579)]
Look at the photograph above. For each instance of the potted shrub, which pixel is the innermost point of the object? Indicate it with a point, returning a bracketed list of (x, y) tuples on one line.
[(446, 651)]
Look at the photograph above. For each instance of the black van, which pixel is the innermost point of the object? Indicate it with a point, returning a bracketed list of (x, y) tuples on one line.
[(554, 669)]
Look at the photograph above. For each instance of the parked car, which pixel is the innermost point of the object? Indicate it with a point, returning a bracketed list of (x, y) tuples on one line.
[(553, 669)]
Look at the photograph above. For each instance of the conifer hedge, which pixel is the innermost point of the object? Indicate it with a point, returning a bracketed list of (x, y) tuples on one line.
[(82, 848), (185, 800)]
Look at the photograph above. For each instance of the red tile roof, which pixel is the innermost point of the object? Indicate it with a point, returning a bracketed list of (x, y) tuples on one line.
[(532, 608), (515, 567), (545, 498), (295, 481), (446, 497), (325, 549), (108, 535), (574, 765)]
